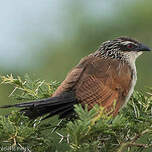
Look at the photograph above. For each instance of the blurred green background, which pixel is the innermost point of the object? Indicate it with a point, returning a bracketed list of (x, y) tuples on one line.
[(46, 38)]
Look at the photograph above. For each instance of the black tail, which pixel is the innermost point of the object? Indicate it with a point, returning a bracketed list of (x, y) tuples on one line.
[(61, 105)]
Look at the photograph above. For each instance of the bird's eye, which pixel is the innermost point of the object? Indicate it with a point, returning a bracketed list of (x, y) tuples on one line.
[(130, 46)]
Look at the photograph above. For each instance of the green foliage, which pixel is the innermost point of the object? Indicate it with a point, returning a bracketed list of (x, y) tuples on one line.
[(125, 132), (29, 89), (17, 130), (130, 131)]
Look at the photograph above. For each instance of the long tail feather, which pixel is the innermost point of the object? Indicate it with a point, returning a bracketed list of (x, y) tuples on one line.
[(61, 105)]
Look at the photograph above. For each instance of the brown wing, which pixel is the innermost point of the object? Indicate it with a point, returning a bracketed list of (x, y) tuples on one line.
[(99, 81), (73, 77), (103, 82)]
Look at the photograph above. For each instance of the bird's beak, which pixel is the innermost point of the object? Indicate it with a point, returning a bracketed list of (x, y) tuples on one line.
[(142, 47)]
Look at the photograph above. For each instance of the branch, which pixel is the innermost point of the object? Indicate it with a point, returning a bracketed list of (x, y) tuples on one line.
[(134, 139)]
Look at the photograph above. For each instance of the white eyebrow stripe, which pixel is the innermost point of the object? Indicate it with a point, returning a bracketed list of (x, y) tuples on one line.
[(127, 42)]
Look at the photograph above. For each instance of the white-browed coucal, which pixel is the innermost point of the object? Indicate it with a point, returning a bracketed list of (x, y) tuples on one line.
[(106, 76)]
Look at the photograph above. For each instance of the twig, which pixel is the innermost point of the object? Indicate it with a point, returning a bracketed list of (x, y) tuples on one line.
[(15, 89), (25, 149), (132, 142), (56, 126), (63, 137)]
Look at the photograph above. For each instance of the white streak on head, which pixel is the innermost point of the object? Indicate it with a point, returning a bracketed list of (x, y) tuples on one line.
[(127, 42)]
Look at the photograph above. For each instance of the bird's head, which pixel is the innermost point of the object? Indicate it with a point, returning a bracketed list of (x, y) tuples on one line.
[(123, 48)]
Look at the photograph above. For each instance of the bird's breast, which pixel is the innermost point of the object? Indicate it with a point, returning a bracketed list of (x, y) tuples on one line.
[(133, 82)]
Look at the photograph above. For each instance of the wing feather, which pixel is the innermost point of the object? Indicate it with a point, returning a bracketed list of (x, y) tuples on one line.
[(98, 81), (103, 83)]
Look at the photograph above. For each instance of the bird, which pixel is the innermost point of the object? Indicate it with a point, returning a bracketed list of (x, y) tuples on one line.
[(104, 77)]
